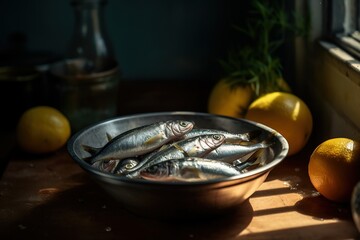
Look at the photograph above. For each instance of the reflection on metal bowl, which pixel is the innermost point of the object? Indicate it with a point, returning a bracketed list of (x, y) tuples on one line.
[(178, 199)]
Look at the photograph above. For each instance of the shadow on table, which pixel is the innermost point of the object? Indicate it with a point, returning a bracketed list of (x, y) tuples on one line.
[(320, 208), (7, 143), (323, 231), (86, 212)]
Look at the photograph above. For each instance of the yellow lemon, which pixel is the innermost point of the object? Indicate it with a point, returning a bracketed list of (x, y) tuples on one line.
[(285, 113), (227, 101), (42, 129), (334, 168)]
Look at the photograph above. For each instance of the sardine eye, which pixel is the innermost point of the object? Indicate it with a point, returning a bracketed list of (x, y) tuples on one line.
[(130, 165), (183, 124), (217, 137)]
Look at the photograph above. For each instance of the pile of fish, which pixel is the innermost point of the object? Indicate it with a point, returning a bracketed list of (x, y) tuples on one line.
[(176, 150)]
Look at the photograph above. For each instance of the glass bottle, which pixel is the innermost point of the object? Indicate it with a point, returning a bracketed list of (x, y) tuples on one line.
[(86, 82), (90, 42)]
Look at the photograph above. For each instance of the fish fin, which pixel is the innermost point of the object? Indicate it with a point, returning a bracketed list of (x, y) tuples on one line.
[(91, 150), (186, 154), (153, 139), (163, 147), (109, 137)]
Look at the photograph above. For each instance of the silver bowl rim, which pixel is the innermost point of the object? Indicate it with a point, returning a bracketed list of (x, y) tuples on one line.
[(245, 176)]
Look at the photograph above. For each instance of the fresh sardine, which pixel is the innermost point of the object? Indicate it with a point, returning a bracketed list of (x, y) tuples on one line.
[(141, 140), (229, 137), (188, 169), (229, 152), (191, 147)]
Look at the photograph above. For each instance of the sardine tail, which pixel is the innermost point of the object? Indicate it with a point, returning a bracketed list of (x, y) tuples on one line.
[(153, 139), (109, 137), (252, 160), (91, 150)]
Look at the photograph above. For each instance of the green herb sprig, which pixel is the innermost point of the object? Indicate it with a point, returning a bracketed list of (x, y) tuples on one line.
[(256, 62)]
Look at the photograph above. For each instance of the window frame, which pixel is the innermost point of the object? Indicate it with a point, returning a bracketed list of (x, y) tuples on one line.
[(332, 86), (343, 25)]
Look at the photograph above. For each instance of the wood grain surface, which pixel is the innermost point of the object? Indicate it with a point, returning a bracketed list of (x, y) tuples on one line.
[(51, 197)]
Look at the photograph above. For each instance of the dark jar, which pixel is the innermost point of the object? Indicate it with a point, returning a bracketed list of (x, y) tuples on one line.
[(84, 99)]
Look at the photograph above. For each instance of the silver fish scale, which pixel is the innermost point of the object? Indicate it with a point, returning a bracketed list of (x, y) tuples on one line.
[(211, 167), (141, 140), (189, 168), (192, 147), (228, 152), (230, 137)]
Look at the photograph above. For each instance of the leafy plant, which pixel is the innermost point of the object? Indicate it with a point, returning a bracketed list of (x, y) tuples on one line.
[(256, 63)]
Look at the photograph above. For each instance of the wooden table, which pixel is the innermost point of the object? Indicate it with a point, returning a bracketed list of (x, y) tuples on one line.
[(50, 197)]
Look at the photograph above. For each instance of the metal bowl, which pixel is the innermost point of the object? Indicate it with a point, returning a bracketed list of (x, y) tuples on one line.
[(177, 199)]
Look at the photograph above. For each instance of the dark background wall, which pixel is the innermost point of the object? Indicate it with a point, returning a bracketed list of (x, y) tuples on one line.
[(153, 39)]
